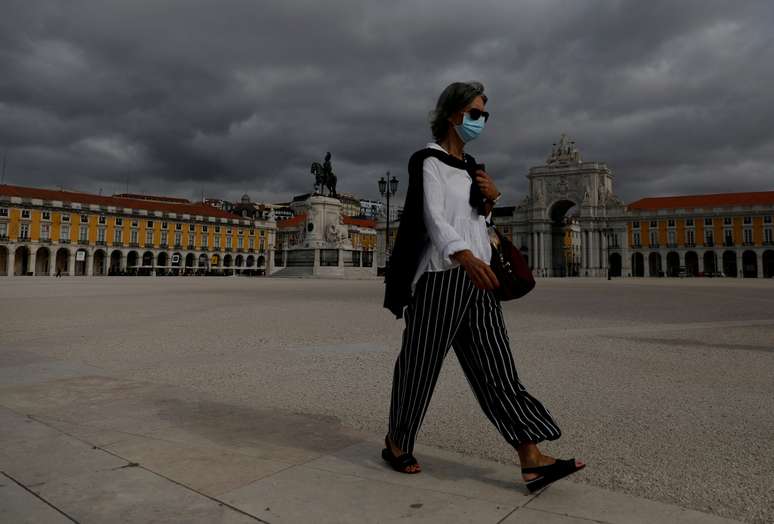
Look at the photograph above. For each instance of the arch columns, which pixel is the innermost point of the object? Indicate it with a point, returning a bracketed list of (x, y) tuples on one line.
[(11, 260), (33, 258), (89, 263)]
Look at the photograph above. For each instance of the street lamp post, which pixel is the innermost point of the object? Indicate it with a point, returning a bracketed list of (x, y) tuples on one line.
[(388, 188)]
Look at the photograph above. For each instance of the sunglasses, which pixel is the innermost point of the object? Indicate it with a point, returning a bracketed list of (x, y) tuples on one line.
[(475, 114)]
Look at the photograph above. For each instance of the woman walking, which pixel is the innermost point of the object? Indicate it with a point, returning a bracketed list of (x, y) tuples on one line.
[(439, 271)]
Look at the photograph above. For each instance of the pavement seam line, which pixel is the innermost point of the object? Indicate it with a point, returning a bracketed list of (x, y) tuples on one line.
[(401, 485), (571, 516), (189, 488), (28, 490), (138, 465)]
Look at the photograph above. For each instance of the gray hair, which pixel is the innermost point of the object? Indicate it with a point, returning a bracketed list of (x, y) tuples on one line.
[(454, 98)]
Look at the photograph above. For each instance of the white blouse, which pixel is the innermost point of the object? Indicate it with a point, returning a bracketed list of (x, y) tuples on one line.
[(452, 223)]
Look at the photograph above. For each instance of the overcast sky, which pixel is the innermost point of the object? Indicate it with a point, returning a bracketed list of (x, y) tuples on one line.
[(226, 97)]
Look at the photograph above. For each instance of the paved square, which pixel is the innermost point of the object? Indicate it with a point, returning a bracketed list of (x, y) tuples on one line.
[(664, 387)]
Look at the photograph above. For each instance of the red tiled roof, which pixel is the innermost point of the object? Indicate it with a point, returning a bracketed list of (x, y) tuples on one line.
[(153, 197), (292, 221), (119, 202), (362, 222), (705, 201)]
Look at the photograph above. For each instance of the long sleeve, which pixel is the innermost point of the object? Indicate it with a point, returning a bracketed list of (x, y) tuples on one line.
[(443, 236)]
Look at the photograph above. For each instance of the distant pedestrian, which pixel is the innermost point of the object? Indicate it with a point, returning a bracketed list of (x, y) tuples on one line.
[(439, 270), (59, 272)]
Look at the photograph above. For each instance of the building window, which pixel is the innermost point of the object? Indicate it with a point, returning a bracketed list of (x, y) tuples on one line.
[(204, 240), (251, 232), (102, 219), (84, 234), (3, 230), (671, 238), (135, 236), (65, 218), (260, 245), (46, 215), (25, 213), (748, 236), (101, 234), (148, 237), (228, 231), (116, 236), (3, 211), (707, 221), (217, 229), (149, 224), (135, 223), (726, 221), (228, 242), (690, 237), (164, 238), (251, 243), (178, 227), (728, 235), (636, 224), (768, 235), (217, 241), (747, 220), (45, 231), (204, 229), (84, 219), (708, 237), (192, 227), (24, 232), (240, 242), (671, 222), (119, 221), (653, 223), (178, 238), (64, 232), (164, 225), (767, 219), (653, 238), (689, 222)]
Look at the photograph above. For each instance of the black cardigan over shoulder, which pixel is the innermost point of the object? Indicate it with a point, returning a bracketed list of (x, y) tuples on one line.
[(412, 233)]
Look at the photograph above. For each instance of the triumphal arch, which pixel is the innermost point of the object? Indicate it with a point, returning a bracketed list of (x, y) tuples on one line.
[(571, 209)]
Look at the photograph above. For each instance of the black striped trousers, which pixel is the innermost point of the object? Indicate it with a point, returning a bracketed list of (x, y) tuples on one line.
[(448, 310)]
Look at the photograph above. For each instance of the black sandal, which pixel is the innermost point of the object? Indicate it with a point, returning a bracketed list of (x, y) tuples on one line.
[(550, 473), (400, 463)]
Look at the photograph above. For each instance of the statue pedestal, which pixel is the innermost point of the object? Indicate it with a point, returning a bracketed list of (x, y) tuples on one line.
[(324, 227), (325, 249)]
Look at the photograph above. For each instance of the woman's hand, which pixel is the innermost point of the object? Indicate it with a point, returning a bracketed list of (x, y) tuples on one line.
[(479, 271), (487, 185)]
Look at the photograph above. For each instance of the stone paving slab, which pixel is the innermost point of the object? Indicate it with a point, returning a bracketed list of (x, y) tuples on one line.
[(94, 472), (19, 506), (586, 502), (303, 494)]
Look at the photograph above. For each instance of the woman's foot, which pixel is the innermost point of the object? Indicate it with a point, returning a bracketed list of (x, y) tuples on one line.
[(541, 460), (397, 452)]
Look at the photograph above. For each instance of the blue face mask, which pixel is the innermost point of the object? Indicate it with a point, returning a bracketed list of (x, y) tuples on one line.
[(469, 129)]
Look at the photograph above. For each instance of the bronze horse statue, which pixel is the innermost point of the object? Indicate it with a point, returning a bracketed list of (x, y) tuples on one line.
[(324, 176)]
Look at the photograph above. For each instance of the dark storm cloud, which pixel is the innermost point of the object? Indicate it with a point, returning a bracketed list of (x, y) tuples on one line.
[(241, 96)]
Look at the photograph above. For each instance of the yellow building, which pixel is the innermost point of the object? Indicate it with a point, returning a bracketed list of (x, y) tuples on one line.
[(729, 234), (49, 232)]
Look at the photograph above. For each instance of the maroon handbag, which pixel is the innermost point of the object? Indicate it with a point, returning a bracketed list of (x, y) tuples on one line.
[(510, 268)]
